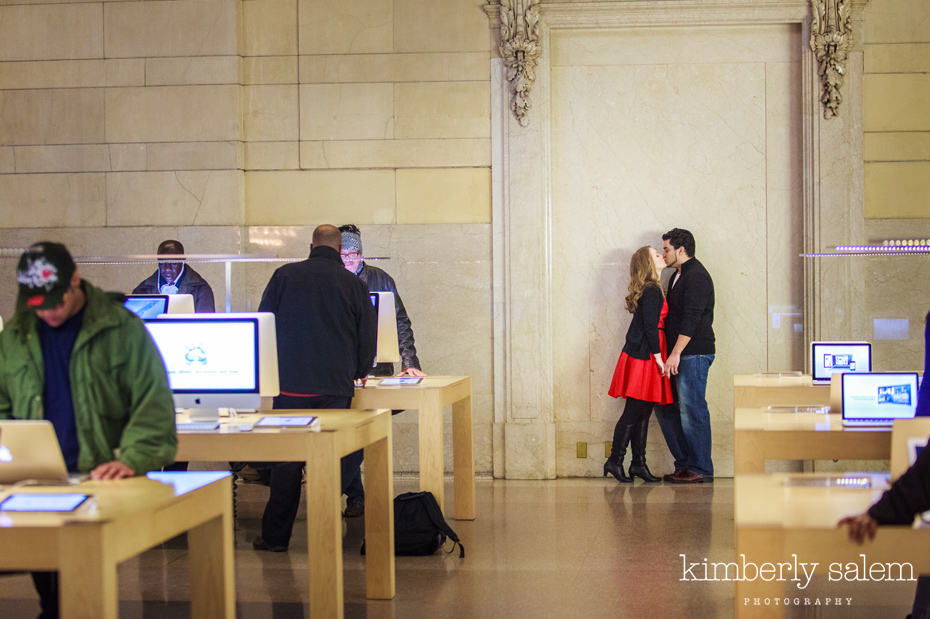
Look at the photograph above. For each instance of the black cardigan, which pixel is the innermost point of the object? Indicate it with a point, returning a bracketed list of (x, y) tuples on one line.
[(642, 338), (326, 325), (691, 309)]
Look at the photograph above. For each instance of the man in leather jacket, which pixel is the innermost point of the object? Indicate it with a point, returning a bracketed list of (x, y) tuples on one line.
[(177, 278)]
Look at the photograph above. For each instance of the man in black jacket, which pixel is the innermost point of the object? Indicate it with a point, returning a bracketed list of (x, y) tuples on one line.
[(177, 278), (907, 497), (326, 334), (690, 332)]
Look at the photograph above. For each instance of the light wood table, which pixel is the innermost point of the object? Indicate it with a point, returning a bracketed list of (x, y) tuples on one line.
[(429, 397), (754, 390), (342, 432), (760, 435), (775, 519), (122, 519)]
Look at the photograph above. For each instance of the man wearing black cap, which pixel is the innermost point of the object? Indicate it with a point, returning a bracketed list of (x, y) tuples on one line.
[(177, 278), (116, 418)]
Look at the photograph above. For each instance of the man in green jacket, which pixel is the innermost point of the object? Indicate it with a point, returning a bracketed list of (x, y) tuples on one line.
[(73, 355)]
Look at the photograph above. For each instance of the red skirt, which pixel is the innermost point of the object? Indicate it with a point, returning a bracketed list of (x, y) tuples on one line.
[(640, 379)]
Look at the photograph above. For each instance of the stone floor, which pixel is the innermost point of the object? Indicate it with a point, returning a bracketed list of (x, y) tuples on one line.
[(573, 548)]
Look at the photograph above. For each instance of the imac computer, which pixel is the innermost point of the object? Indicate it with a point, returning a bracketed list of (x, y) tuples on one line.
[(388, 349), (218, 360), (153, 305), (829, 358)]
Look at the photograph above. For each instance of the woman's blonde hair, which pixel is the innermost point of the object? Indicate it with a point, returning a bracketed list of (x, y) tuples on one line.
[(642, 273)]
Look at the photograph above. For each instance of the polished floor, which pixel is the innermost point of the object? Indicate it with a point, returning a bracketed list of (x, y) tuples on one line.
[(573, 548)]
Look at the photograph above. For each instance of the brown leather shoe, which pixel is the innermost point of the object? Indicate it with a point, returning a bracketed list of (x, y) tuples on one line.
[(670, 476), (687, 477)]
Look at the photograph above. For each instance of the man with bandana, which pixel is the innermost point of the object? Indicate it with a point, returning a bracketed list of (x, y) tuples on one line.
[(177, 278), (377, 281), (116, 418)]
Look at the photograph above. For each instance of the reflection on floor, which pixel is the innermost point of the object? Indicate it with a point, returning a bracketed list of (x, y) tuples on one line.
[(576, 548)]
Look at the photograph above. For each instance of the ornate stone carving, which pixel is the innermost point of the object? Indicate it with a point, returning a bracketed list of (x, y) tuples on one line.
[(520, 50), (831, 39)]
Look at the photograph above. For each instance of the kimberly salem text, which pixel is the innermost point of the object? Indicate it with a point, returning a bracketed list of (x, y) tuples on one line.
[(794, 570)]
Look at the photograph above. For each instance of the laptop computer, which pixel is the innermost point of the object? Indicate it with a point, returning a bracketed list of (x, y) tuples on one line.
[(29, 450), (878, 398), (828, 358)]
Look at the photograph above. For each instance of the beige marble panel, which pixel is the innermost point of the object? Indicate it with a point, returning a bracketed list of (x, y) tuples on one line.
[(192, 70), (270, 113), (314, 197), (439, 67), (272, 156), (337, 27), (76, 158), (896, 102), (51, 32), (897, 21), (601, 115), (897, 190), (442, 110), (444, 195), (170, 28), (698, 45), (172, 113), (193, 156), (895, 146), (897, 58), (183, 198), (346, 111), (7, 161), (60, 200), (269, 70), (66, 116), (428, 26), (396, 153), (269, 27), (128, 157), (72, 73)]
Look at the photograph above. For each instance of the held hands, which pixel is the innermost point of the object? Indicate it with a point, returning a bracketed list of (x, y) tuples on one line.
[(671, 364), (861, 527), (111, 470), (661, 365), (412, 372)]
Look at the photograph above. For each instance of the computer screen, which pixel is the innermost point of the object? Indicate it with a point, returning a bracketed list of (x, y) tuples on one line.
[(828, 358), (879, 395), (388, 349), (211, 363), (147, 306)]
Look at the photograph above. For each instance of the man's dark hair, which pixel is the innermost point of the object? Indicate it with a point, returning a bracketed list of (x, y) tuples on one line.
[(170, 247), (679, 237), (327, 235)]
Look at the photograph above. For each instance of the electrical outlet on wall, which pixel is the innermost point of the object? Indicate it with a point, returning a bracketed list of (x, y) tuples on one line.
[(581, 450)]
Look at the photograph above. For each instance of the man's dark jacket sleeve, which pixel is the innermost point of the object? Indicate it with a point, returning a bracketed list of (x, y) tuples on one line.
[(908, 496)]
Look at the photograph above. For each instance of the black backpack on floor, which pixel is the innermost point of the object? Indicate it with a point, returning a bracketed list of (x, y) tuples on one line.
[(419, 528)]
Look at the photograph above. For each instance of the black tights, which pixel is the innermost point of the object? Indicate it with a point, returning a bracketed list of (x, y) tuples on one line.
[(635, 411)]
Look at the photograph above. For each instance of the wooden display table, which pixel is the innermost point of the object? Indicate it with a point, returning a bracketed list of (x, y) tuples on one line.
[(754, 390), (342, 432), (760, 435), (776, 518), (429, 397), (123, 519)]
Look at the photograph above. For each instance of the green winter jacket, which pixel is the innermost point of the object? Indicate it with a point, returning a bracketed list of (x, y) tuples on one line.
[(122, 404)]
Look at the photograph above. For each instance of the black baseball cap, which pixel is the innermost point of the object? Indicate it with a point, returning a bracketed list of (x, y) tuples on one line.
[(44, 275)]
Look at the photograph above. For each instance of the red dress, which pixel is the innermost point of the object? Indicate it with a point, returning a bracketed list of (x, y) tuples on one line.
[(640, 378)]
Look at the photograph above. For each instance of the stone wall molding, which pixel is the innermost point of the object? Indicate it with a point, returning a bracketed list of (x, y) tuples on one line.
[(520, 48), (831, 40)]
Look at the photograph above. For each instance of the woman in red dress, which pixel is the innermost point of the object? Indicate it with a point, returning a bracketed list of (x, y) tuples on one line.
[(639, 374)]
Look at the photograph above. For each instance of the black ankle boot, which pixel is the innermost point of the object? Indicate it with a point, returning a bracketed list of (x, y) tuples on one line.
[(638, 466), (614, 464)]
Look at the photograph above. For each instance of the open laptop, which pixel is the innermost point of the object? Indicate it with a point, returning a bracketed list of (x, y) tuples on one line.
[(828, 358), (878, 398), (29, 450)]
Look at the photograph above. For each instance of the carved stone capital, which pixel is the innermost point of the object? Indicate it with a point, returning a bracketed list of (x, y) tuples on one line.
[(520, 50), (831, 40)]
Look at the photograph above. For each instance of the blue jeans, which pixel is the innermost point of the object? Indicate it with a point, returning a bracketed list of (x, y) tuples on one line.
[(695, 417), (669, 419)]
